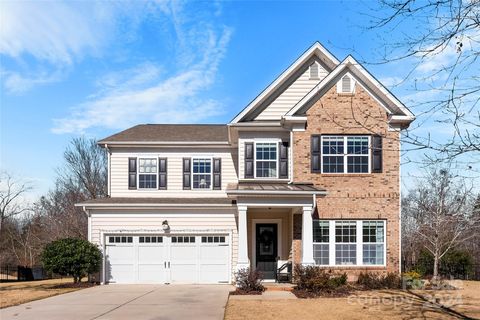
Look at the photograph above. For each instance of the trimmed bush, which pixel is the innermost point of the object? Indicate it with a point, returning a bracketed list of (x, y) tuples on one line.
[(374, 281), (249, 281), (72, 257), (317, 281)]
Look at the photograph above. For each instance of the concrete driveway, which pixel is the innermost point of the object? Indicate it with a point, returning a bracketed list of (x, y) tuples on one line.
[(139, 302)]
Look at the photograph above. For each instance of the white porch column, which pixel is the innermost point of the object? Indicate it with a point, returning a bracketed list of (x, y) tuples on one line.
[(242, 261), (307, 237)]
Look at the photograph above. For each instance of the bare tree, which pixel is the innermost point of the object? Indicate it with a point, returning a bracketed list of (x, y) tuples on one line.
[(85, 168), (439, 42), (441, 215), (11, 193)]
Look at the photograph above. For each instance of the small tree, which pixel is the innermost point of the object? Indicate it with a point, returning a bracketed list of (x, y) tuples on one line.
[(73, 257), (442, 211)]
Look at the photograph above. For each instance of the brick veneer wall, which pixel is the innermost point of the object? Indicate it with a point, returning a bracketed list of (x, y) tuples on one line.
[(354, 196)]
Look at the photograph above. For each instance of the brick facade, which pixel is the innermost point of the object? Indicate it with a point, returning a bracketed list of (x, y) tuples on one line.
[(355, 196)]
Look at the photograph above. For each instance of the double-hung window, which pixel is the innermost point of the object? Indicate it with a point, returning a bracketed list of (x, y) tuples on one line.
[(345, 154), (345, 242), (147, 173), (373, 242), (321, 234), (202, 173), (266, 157)]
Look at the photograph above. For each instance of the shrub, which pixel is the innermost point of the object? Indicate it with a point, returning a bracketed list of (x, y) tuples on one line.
[(373, 280), (72, 257), (249, 280), (316, 280), (412, 275)]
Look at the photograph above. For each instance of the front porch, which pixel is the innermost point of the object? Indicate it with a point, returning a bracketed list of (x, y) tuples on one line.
[(274, 226)]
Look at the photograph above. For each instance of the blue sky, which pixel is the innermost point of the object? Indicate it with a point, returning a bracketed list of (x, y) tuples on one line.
[(85, 68)]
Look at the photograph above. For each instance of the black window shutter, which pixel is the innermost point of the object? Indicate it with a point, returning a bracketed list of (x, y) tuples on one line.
[(132, 173), (283, 172), (186, 174), (248, 160), (377, 154), (162, 173), (316, 153), (217, 173)]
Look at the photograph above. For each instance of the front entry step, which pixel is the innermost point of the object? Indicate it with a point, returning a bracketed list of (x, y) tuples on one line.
[(279, 286)]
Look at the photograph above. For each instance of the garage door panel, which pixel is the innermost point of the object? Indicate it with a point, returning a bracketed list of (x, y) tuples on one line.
[(183, 273), (163, 259)]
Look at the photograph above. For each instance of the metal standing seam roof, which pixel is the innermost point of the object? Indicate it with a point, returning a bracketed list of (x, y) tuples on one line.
[(255, 187), (171, 133)]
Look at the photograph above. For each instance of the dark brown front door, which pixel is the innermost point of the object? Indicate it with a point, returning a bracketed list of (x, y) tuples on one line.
[(266, 249)]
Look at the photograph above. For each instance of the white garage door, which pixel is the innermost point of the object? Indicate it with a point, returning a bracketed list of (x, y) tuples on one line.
[(168, 259)]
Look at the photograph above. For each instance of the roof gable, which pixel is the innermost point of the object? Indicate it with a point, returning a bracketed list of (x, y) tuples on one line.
[(315, 53), (394, 107)]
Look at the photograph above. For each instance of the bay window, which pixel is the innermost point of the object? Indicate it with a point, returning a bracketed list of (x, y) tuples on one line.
[(147, 173)]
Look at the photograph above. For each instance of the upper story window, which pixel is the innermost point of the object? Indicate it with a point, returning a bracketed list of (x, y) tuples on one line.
[(147, 173), (266, 157), (202, 173), (345, 154)]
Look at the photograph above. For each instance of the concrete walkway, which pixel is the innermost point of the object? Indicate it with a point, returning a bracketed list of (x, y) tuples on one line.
[(117, 302)]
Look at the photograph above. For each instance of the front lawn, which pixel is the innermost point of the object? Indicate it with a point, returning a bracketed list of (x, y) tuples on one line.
[(376, 304), (14, 293)]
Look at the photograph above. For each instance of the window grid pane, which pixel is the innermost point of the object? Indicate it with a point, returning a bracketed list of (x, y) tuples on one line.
[(266, 160), (373, 242), (321, 231), (346, 246), (321, 253), (202, 173), (354, 150)]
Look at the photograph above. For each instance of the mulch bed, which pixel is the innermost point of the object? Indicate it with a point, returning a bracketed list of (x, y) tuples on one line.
[(337, 293), (239, 292), (74, 285)]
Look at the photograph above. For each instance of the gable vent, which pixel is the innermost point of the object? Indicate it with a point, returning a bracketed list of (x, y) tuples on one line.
[(346, 85), (314, 71)]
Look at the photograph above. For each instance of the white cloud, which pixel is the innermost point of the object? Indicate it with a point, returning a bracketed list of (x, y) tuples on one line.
[(149, 93), (55, 32), (16, 82)]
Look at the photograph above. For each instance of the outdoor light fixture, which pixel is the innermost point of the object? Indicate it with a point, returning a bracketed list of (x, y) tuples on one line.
[(165, 225)]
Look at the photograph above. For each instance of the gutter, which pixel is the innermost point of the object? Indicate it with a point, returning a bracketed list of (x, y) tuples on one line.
[(275, 192)]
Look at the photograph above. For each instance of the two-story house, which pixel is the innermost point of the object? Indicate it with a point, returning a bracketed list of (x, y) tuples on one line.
[(308, 172)]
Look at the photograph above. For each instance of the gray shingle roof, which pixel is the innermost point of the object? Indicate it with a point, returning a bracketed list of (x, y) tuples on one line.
[(258, 187), (171, 133)]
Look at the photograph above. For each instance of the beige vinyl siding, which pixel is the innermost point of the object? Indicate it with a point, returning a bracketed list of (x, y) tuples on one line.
[(119, 171), (288, 98), (252, 136), (180, 221)]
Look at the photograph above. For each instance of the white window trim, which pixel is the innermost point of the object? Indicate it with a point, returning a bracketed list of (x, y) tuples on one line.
[(138, 173), (383, 242), (359, 243), (255, 159), (192, 174), (345, 154)]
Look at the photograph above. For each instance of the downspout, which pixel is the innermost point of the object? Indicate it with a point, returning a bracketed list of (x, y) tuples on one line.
[(108, 169)]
